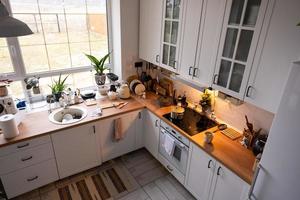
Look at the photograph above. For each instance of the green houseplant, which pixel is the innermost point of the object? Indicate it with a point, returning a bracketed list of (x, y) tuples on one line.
[(58, 86), (99, 67)]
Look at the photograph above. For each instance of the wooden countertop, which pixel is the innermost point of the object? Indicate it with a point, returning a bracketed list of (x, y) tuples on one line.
[(37, 124), (230, 153), (226, 151)]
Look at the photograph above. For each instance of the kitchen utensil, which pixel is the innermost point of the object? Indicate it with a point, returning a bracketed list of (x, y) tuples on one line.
[(112, 77), (232, 134), (221, 127), (88, 94), (131, 78), (139, 89), (165, 101), (160, 90), (123, 91), (133, 83), (177, 113), (249, 125), (122, 105)]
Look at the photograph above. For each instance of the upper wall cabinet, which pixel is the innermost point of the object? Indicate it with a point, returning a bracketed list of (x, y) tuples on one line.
[(151, 14), (171, 32), (243, 21), (200, 40)]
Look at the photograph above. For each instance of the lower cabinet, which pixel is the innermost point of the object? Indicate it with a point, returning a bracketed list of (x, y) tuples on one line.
[(151, 132), (209, 180), (76, 149), (112, 148)]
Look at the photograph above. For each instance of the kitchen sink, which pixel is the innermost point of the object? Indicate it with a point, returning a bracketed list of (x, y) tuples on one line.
[(68, 115)]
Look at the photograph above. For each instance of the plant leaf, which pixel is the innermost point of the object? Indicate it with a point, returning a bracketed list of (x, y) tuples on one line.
[(93, 59), (63, 82), (102, 62)]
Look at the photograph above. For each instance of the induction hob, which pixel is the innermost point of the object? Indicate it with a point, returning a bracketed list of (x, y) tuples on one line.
[(192, 122)]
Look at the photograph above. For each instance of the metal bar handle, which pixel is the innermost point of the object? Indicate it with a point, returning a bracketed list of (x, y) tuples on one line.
[(156, 123), (214, 79), (209, 162), (190, 68), (157, 58), (195, 72), (218, 172), (25, 159), (250, 194), (22, 146), (248, 90), (32, 179)]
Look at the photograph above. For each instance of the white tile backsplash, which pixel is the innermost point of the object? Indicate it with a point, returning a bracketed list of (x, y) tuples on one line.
[(229, 113)]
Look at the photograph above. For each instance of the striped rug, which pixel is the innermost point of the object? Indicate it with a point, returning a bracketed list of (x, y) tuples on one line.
[(111, 181)]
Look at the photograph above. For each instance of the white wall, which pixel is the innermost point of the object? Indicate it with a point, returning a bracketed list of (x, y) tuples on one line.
[(125, 28)]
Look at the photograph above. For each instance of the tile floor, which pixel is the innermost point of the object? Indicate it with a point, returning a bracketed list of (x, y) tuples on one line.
[(151, 181)]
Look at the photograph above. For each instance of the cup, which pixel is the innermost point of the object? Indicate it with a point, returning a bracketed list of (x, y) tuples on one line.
[(208, 137)]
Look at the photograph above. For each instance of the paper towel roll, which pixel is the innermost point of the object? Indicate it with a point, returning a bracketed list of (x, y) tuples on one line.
[(9, 126)]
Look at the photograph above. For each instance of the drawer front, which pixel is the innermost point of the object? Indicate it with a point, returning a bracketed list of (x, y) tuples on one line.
[(20, 146), (26, 158), (175, 172), (29, 178)]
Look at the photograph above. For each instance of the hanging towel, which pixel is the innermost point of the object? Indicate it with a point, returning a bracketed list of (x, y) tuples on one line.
[(168, 144), (118, 132)]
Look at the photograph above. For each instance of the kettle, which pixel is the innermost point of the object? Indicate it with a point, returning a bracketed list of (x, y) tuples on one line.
[(123, 91)]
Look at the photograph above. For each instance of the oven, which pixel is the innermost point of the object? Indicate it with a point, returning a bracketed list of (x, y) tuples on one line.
[(176, 149)]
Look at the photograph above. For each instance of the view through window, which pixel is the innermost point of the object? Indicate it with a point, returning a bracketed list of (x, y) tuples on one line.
[(64, 30)]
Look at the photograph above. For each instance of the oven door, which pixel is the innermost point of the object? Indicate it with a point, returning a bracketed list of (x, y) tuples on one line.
[(179, 155)]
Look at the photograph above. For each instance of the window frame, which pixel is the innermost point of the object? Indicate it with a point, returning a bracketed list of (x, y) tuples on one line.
[(20, 74)]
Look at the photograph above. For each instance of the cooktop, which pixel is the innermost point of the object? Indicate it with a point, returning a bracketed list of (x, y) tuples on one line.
[(192, 122)]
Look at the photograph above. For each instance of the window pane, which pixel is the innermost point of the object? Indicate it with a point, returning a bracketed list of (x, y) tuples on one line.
[(224, 73), (251, 12), (167, 34), (230, 42), (63, 31), (169, 7), (174, 32), (176, 9), (6, 64), (244, 45), (236, 12), (172, 60), (83, 79), (165, 54), (237, 77), (16, 90)]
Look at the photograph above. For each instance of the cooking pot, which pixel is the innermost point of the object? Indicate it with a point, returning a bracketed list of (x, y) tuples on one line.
[(177, 113)]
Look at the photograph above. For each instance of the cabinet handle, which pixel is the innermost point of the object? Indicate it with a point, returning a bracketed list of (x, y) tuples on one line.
[(218, 172), (190, 70), (250, 194), (156, 123), (32, 179), (195, 72), (157, 58), (140, 115), (214, 79), (25, 159), (248, 90), (169, 168), (209, 162), (94, 129), (22, 146)]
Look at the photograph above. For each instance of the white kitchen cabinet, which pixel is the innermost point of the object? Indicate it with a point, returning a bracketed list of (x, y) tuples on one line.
[(242, 25), (200, 173), (76, 149), (227, 186), (151, 132), (279, 47), (151, 13), (207, 179), (111, 148), (171, 34)]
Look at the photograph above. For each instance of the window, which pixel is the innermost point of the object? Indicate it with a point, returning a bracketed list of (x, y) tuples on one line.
[(64, 30)]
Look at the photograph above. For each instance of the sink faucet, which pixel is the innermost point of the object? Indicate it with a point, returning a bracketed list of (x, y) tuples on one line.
[(66, 99)]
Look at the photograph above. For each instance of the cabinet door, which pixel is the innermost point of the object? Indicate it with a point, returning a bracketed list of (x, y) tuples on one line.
[(227, 185), (151, 128), (111, 148), (75, 149), (150, 30), (242, 23), (200, 172), (278, 47), (171, 32), (191, 33)]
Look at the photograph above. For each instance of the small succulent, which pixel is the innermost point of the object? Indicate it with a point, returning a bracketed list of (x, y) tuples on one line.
[(58, 86), (32, 82)]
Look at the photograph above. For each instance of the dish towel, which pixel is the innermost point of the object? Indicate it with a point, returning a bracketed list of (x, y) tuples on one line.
[(168, 144), (118, 132)]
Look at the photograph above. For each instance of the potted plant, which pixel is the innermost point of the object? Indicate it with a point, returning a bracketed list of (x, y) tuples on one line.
[(33, 83), (99, 66), (58, 87)]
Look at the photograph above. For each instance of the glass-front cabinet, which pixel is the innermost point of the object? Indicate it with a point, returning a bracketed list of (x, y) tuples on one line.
[(171, 34), (242, 23)]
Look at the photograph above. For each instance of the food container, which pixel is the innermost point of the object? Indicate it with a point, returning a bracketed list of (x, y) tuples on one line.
[(177, 113)]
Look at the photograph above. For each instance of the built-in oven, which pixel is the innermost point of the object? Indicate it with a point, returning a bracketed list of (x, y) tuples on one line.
[(176, 149)]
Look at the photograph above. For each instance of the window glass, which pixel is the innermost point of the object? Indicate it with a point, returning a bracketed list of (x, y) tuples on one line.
[(63, 31), (5, 60)]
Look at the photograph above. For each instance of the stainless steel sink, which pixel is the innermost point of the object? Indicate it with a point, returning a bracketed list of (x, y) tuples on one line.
[(67, 115)]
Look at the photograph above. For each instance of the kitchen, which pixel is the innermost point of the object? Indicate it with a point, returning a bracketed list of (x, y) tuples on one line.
[(221, 72)]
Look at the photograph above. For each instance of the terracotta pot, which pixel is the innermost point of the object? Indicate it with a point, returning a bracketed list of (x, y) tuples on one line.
[(100, 79)]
